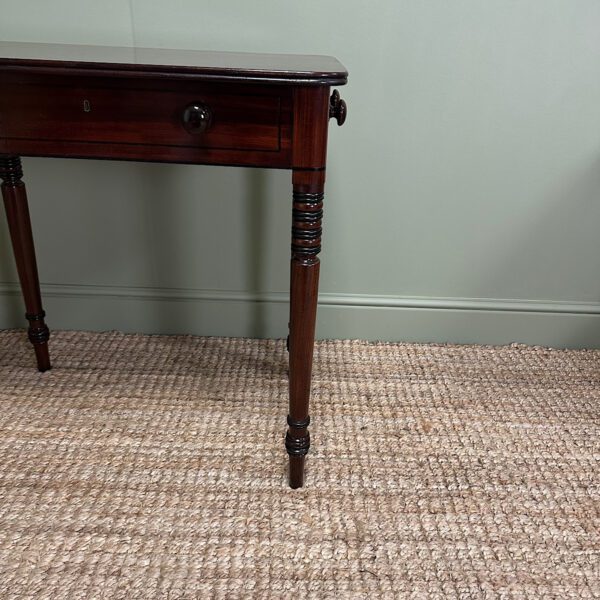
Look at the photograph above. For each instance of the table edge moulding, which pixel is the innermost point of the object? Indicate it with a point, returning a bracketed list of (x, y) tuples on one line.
[(177, 106)]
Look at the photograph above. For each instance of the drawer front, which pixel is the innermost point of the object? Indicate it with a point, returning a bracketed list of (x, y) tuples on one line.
[(239, 121)]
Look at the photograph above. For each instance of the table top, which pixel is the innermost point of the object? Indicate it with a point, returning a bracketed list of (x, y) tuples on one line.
[(296, 69)]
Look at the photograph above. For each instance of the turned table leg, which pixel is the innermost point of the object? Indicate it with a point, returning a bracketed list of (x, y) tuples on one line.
[(17, 214), (306, 244)]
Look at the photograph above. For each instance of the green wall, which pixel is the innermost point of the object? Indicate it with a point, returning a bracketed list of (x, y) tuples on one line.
[(463, 193)]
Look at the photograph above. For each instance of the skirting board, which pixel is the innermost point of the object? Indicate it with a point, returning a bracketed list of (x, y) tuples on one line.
[(243, 314)]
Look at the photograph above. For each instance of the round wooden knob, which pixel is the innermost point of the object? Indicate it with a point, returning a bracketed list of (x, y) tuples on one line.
[(197, 117), (337, 108)]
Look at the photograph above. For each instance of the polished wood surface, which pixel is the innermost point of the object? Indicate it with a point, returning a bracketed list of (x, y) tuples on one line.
[(184, 107), (287, 69), (98, 116)]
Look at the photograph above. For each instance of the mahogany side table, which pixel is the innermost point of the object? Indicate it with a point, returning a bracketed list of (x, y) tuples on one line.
[(209, 108)]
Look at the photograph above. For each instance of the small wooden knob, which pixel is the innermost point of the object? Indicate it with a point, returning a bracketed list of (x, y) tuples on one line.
[(337, 108), (196, 117)]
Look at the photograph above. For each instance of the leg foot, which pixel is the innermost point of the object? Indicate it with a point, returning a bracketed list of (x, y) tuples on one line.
[(39, 335), (297, 444), (296, 472)]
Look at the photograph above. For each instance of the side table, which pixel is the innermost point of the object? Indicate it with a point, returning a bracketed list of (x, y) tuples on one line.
[(210, 108)]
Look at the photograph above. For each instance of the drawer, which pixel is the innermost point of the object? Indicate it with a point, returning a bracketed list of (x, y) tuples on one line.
[(239, 120)]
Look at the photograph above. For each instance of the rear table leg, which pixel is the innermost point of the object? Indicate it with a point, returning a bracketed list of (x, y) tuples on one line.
[(19, 225)]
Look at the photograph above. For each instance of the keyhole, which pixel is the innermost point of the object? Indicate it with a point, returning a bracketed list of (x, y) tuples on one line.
[(86, 106)]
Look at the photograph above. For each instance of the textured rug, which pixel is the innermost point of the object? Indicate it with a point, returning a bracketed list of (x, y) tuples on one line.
[(154, 467)]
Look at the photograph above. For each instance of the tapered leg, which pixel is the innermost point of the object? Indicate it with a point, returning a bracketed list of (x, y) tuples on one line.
[(306, 244), (17, 213)]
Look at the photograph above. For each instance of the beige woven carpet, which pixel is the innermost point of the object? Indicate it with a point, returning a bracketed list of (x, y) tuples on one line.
[(154, 467)]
